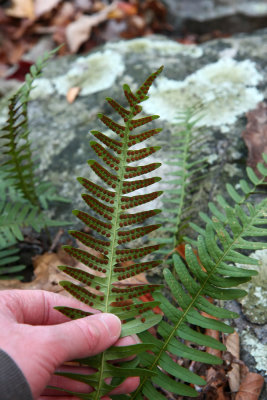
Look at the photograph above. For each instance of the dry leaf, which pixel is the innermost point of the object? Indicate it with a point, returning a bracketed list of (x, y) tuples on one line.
[(72, 94), (79, 31), (41, 7), (215, 376), (233, 346), (255, 135), (47, 275), (128, 9), (123, 10), (216, 382), (250, 387), (21, 9)]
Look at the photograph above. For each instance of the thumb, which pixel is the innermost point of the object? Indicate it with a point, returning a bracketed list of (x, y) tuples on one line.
[(84, 337)]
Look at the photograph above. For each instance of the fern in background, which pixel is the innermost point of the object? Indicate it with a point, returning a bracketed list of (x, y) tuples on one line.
[(22, 199), (186, 173), (8, 256), (104, 290)]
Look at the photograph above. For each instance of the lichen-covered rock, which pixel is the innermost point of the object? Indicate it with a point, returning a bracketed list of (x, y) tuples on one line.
[(256, 348), (218, 88), (254, 305), (226, 76)]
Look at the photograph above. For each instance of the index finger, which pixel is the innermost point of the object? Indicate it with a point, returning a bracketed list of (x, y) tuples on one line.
[(36, 307)]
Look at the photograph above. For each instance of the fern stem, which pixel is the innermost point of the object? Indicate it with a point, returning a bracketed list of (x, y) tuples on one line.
[(117, 206), (114, 239), (183, 184)]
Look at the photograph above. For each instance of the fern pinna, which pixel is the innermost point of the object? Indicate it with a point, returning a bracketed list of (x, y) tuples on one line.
[(104, 290), (211, 275)]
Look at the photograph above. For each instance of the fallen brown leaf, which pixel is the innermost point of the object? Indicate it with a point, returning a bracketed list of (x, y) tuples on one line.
[(21, 9), (216, 377), (79, 31), (41, 7), (72, 94), (46, 272), (255, 135), (250, 387), (233, 346), (128, 9)]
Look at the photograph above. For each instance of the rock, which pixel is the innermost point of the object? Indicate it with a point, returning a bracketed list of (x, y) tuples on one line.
[(227, 16), (255, 303), (225, 76)]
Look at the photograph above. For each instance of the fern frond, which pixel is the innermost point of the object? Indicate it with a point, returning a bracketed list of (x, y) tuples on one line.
[(7, 259), (17, 215), (106, 290), (17, 152), (14, 217), (177, 210), (213, 275)]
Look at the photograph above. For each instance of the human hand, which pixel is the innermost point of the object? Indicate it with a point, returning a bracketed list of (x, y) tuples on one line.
[(40, 339)]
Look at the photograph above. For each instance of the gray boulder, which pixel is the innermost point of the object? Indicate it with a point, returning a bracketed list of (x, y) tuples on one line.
[(225, 76)]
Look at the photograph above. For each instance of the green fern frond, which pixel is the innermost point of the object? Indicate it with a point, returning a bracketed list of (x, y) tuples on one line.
[(16, 149), (7, 259), (16, 216), (178, 205), (212, 275), (17, 213), (106, 290)]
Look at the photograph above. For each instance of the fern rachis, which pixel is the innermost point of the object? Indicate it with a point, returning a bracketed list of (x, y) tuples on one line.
[(112, 205)]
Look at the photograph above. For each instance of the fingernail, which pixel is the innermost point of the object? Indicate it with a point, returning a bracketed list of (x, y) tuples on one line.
[(112, 323)]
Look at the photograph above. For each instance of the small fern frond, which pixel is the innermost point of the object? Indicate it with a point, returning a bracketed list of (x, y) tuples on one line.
[(18, 160), (16, 216), (102, 286), (7, 259), (212, 274), (177, 211)]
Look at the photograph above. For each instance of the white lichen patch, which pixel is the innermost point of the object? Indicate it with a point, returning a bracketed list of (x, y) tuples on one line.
[(92, 74), (225, 90), (255, 303), (148, 45), (42, 88), (256, 349)]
